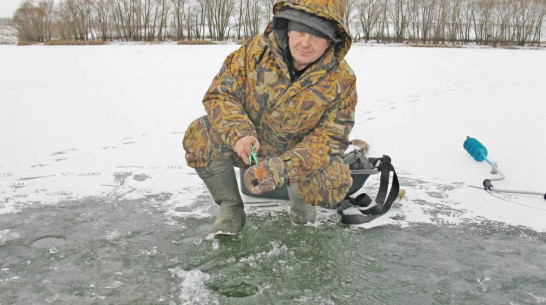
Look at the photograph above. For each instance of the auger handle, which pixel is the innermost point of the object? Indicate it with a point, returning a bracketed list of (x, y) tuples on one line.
[(488, 185)]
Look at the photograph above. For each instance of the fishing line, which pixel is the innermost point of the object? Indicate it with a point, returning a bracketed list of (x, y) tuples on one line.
[(517, 203)]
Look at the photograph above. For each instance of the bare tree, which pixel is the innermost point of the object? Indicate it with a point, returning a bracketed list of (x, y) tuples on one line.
[(29, 21), (162, 14), (251, 19), (524, 21), (189, 22), (383, 32), (427, 18), (414, 17), (145, 12), (465, 23), (239, 16), (200, 16), (540, 9), (268, 11), (481, 19), (369, 13), (76, 16), (49, 17), (123, 17), (441, 13), (219, 13), (398, 17), (349, 16), (178, 13), (102, 10), (453, 20)]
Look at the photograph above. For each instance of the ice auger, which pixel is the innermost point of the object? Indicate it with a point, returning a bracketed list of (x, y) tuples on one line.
[(479, 152)]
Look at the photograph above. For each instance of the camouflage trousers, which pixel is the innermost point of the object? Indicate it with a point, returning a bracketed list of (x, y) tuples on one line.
[(325, 188)]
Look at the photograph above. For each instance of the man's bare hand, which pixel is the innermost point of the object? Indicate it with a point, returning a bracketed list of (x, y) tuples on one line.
[(242, 147)]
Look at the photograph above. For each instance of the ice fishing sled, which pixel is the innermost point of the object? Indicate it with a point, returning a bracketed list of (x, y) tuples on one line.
[(361, 208)]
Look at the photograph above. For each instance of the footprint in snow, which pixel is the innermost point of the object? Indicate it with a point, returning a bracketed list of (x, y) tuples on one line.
[(128, 140), (35, 177), (141, 177), (18, 185), (131, 140), (89, 174), (120, 177), (175, 167), (437, 195), (62, 152)]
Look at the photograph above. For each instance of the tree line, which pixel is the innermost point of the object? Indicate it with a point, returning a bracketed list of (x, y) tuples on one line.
[(489, 22)]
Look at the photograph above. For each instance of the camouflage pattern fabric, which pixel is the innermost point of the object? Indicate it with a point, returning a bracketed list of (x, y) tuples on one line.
[(265, 176), (305, 123)]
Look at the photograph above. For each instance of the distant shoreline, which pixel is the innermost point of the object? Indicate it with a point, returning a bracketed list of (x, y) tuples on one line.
[(216, 43)]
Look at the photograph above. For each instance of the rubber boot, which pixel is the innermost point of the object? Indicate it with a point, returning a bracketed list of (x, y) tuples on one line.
[(301, 212), (222, 185)]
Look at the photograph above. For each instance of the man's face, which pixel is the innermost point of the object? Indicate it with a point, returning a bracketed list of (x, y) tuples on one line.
[(305, 48)]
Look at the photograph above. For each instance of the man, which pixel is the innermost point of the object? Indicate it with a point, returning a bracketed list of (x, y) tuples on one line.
[(289, 95)]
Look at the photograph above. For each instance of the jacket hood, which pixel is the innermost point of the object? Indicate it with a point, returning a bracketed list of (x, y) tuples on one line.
[(332, 10)]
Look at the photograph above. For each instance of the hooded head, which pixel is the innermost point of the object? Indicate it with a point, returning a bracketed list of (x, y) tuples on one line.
[(304, 22), (321, 18)]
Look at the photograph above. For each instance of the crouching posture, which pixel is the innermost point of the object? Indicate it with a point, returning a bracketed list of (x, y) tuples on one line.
[(288, 95)]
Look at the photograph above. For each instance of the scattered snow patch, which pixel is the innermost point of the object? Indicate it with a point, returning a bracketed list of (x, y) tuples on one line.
[(192, 287)]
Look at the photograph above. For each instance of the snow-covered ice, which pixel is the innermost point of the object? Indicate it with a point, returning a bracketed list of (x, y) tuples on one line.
[(109, 120), (193, 291)]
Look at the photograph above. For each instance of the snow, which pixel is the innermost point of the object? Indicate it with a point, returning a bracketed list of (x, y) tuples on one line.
[(80, 121), (193, 289)]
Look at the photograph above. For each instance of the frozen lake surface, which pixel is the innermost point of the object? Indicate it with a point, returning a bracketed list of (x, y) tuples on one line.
[(98, 206), (107, 251)]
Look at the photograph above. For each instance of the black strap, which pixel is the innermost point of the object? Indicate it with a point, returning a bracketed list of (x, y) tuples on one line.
[(349, 208)]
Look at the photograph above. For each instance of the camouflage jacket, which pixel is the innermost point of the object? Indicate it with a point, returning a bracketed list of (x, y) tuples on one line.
[(306, 122)]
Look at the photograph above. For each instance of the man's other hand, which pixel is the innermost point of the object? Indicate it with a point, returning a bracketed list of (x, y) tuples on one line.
[(266, 176)]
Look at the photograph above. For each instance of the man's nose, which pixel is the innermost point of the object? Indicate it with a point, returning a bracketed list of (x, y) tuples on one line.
[(305, 40)]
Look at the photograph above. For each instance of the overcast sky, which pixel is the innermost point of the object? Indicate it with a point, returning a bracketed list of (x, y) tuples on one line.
[(8, 7)]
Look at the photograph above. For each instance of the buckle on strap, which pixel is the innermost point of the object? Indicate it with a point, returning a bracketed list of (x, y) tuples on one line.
[(352, 209)]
